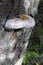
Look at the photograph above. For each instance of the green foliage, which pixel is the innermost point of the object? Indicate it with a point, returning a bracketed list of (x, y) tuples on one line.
[(27, 55), (39, 31), (30, 57), (35, 48)]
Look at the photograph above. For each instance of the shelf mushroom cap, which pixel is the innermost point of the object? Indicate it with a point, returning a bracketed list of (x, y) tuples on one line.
[(24, 21)]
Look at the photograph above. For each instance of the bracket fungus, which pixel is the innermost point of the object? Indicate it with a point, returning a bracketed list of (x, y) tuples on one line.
[(24, 21)]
